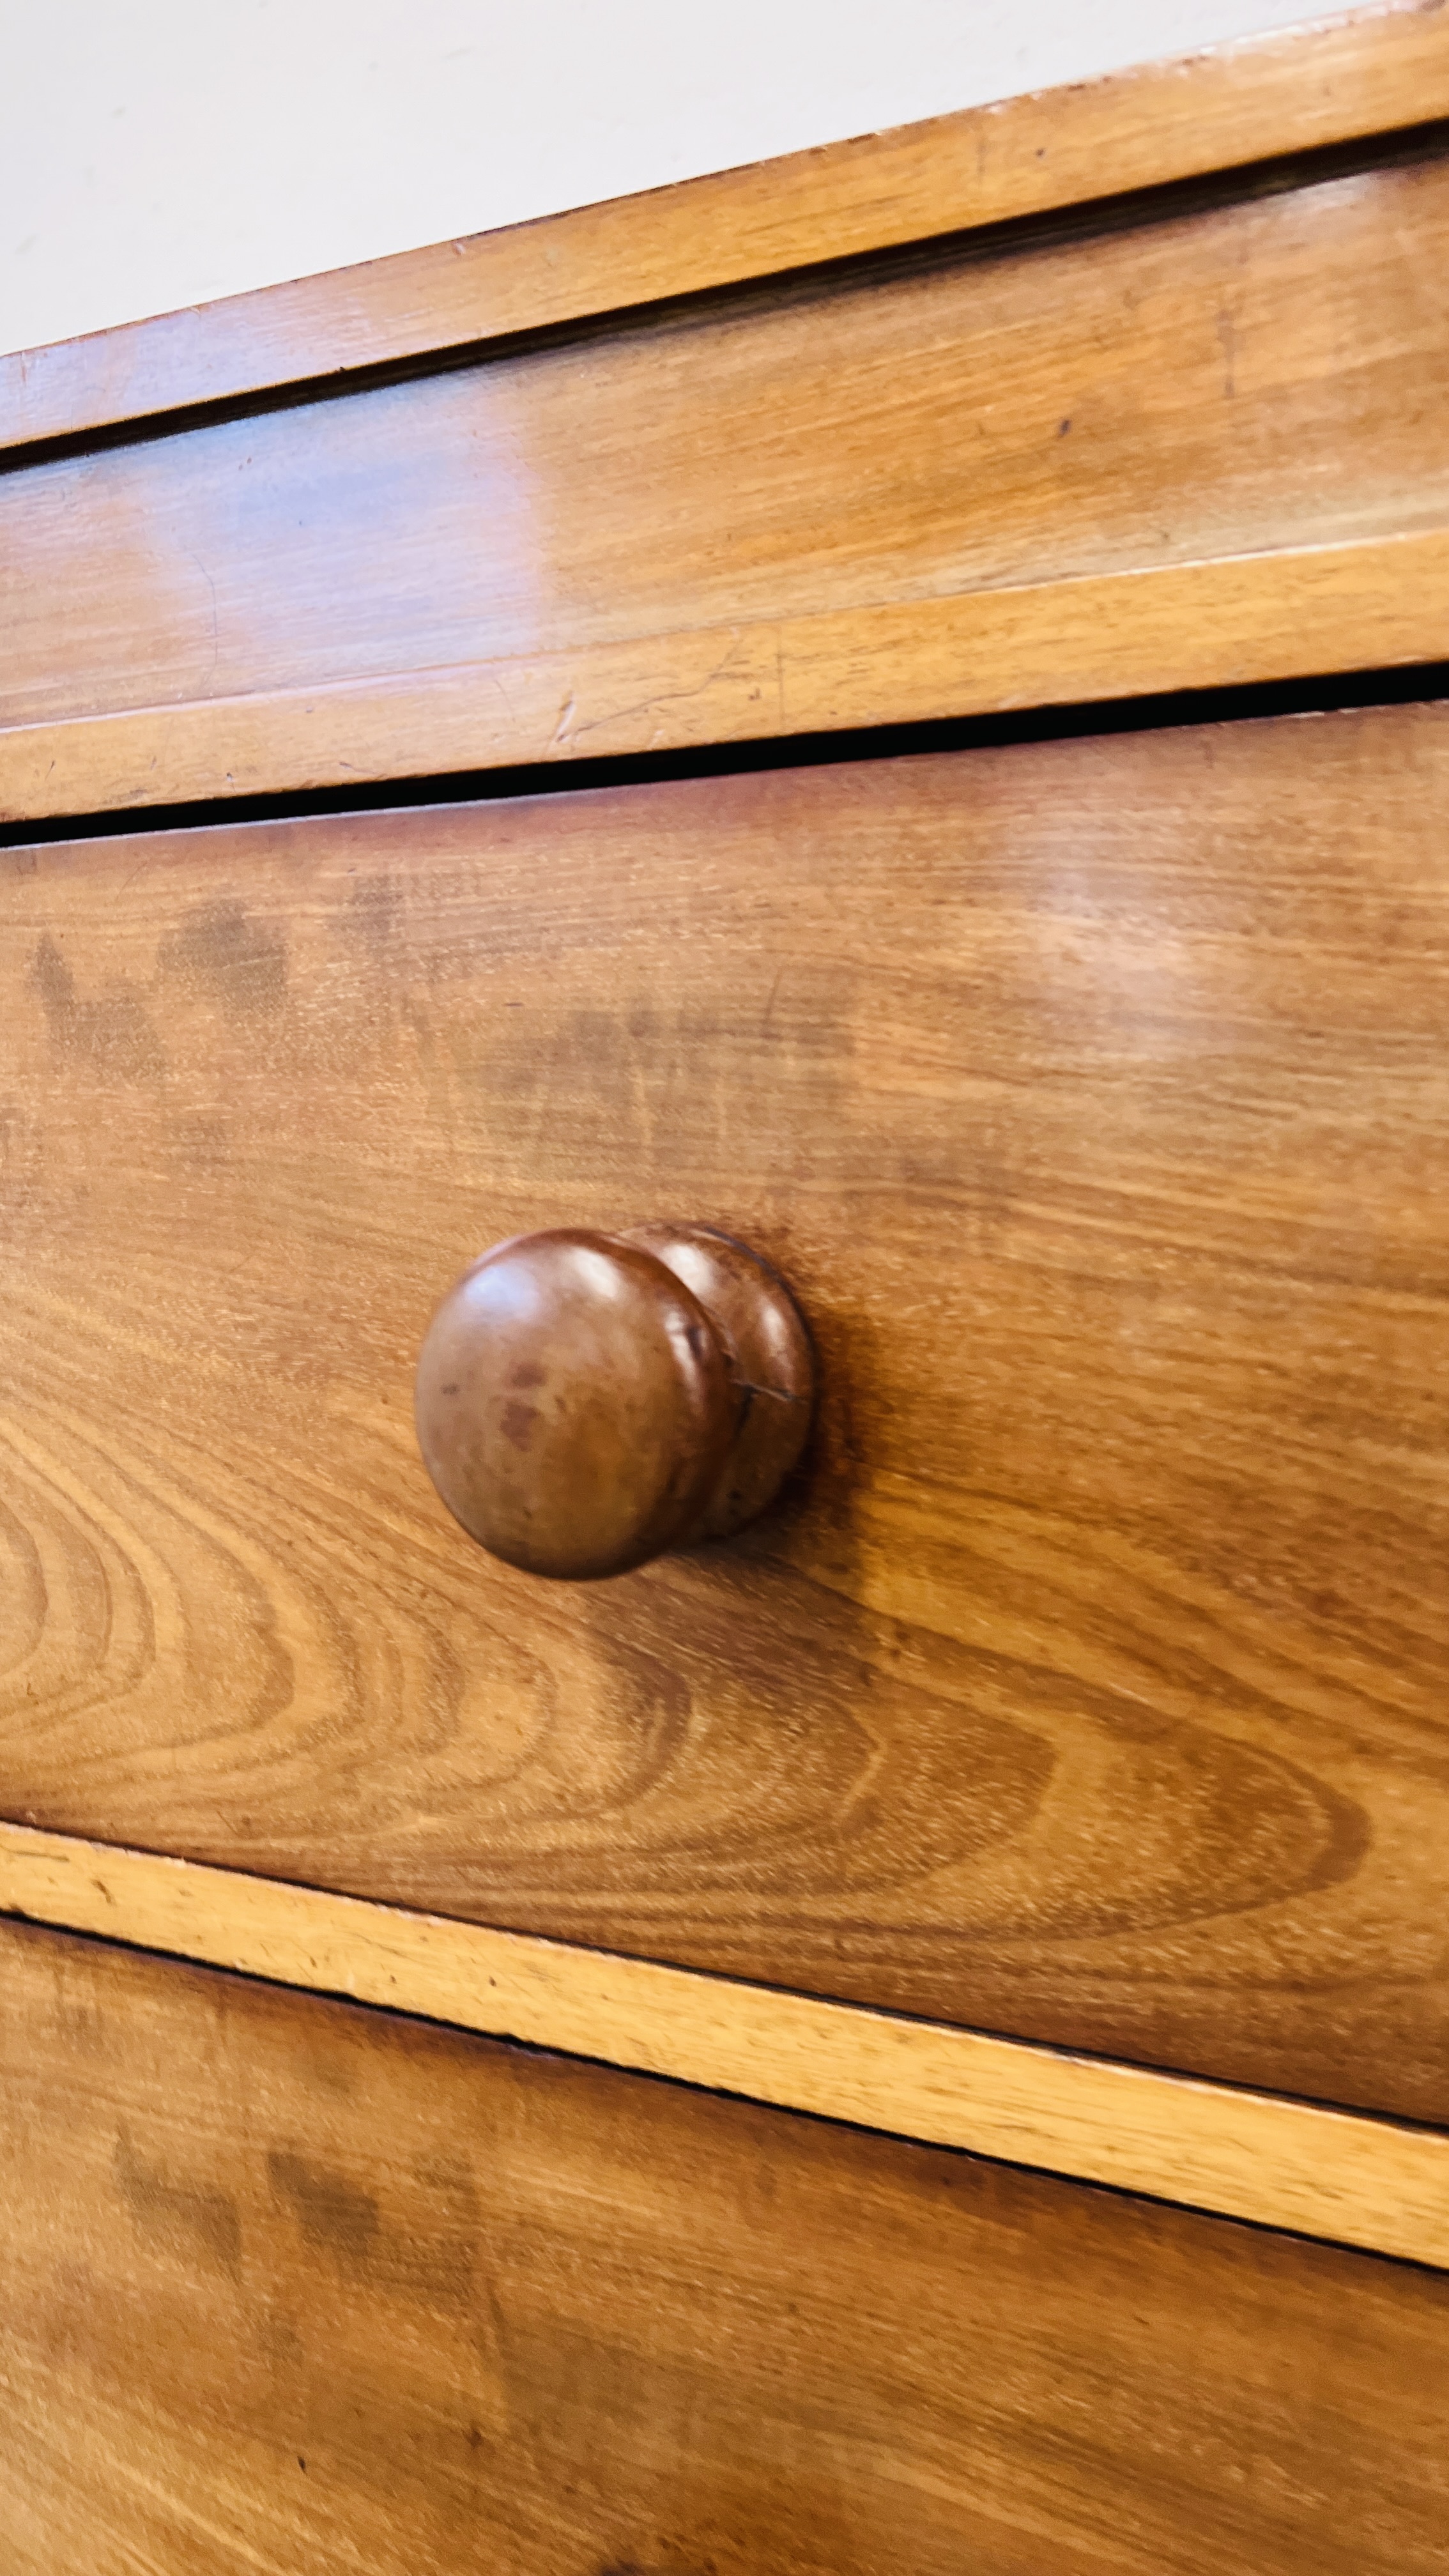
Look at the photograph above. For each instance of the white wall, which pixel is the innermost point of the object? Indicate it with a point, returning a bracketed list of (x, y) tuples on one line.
[(158, 152)]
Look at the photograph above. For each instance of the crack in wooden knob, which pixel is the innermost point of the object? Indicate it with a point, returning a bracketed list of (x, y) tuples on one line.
[(586, 1401)]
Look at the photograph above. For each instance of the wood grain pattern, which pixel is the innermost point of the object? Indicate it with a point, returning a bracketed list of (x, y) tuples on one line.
[(827, 504), (288, 2285), (1364, 72), (1091, 1685), (1059, 643), (1281, 2164)]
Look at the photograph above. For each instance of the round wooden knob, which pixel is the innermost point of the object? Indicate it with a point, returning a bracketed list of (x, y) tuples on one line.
[(585, 1401)]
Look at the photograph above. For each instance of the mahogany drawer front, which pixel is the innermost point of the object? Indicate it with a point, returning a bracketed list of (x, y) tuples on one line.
[(1089, 1683), (292, 2284), (1125, 388)]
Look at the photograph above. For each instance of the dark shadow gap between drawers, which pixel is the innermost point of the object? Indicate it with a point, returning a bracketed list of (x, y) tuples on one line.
[(1417, 683), (1097, 218)]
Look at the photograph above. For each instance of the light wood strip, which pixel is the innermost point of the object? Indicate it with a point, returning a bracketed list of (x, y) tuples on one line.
[(1280, 2163), (1364, 72), (1182, 626)]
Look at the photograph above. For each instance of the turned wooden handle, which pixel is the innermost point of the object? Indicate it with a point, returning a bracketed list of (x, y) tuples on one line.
[(586, 1400)]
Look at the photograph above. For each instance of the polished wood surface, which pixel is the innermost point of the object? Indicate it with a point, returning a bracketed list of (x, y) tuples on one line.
[(830, 503), (1334, 2175), (1092, 1096), (1362, 72), (288, 2285), (1119, 635), (586, 1401)]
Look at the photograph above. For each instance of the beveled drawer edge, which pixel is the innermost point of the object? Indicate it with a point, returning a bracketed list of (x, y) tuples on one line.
[(1349, 2179), (1287, 614), (1356, 74)]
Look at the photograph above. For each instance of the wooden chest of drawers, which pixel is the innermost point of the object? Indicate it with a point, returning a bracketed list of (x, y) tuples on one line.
[(1054, 1777)]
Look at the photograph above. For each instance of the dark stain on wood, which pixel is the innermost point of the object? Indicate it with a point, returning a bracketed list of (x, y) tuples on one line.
[(187, 2215)]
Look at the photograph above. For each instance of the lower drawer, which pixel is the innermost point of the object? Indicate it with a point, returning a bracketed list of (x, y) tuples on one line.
[(289, 2284)]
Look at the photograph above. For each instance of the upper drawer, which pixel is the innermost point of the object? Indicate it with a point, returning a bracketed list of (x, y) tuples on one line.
[(749, 514), (1091, 1682)]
